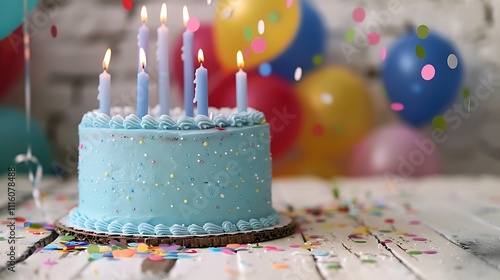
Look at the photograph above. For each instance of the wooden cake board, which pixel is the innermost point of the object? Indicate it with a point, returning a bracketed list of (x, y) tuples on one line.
[(285, 228)]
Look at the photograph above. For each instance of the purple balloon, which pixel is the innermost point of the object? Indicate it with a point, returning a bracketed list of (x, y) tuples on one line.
[(395, 150)]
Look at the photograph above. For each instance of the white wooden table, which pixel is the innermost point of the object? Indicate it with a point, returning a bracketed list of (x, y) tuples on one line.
[(433, 228)]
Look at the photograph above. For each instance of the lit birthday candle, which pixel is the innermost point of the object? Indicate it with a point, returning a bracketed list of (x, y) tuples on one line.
[(163, 64), (105, 86), (241, 85), (142, 88), (201, 81), (187, 56), (143, 37)]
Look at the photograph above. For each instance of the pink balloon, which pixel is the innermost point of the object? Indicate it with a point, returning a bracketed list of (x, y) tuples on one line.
[(396, 151)]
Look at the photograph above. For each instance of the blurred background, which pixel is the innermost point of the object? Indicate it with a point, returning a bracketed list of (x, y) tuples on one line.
[(350, 88)]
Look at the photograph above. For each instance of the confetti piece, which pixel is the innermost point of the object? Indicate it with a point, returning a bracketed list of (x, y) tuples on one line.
[(385, 231), (389, 221), (415, 222), (334, 266), (117, 243), (358, 14), (397, 107), (414, 252), (96, 256), (49, 263), (259, 45), (368, 261), (128, 4), (53, 31), (289, 3), (142, 248), (124, 253), (265, 69), (280, 265), (248, 33), (386, 241), (133, 244), (439, 123), (261, 27), (383, 53), (295, 246), (429, 252), (422, 32), (318, 130), (360, 241), (155, 258), (420, 51), (452, 61), (2, 238), (321, 254), (410, 235), (233, 245), (419, 239), (93, 249), (228, 252), (428, 72), (212, 249), (349, 35), (67, 238), (373, 38), (193, 24), (298, 74)]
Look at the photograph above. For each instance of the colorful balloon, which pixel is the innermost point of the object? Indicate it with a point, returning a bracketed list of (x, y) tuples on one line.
[(397, 151), (275, 98), (423, 72), (337, 111), (236, 28), (11, 54), (203, 39), (12, 14), (307, 48), (13, 124)]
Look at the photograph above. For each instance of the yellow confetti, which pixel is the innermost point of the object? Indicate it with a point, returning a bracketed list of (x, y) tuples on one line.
[(142, 248)]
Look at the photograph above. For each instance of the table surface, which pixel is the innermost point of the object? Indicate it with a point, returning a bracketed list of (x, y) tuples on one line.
[(377, 228)]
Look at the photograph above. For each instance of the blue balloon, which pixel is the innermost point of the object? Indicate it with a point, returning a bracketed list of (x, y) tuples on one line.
[(402, 76), (14, 141), (12, 14), (310, 41)]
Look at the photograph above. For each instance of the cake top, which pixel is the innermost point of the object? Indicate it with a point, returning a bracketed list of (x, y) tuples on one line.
[(124, 118)]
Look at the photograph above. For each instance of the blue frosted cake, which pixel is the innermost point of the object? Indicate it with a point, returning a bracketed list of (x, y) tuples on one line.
[(174, 175)]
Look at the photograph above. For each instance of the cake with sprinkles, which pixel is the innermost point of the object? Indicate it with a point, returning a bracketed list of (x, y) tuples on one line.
[(173, 175)]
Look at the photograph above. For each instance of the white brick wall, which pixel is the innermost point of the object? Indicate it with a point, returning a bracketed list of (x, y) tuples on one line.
[(66, 68)]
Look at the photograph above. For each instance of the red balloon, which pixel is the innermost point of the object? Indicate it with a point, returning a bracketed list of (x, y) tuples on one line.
[(203, 39), (12, 60), (275, 98)]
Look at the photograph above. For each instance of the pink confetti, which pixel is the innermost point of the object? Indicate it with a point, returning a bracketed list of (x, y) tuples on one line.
[(386, 241), (127, 4), (259, 45), (373, 38), (295, 246), (428, 72), (81, 145), (419, 239), (193, 24), (358, 14), (228, 252), (389, 221), (155, 258), (53, 31), (289, 3), (429, 252), (415, 222), (410, 235), (397, 107), (270, 247), (49, 263), (383, 53)]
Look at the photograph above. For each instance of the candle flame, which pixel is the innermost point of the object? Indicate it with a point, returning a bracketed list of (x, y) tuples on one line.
[(163, 13), (239, 60), (185, 15), (201, 57), (107, 58), (144, 14), (142, 56)]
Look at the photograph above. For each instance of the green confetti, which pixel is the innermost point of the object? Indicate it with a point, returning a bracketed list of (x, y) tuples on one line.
[(439, 123), (90, 259), (414, 252), (257, 247), (318, 59), (274, 16), (334, 266), (423, 31), (35, 226), (360, 241), (67, 238), (2, 238), (420, 51), (336, 192), (368, 261), (385, 231), (350, 34), (20, 237), (248, 33), (93, 249), (466, 93)]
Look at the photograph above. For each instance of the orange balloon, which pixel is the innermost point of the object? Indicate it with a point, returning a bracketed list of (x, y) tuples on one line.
[(236, 28), (336, 112)]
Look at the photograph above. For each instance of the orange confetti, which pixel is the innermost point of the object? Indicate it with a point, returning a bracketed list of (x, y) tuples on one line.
[(280, 265), (234, 245), (126, 253)]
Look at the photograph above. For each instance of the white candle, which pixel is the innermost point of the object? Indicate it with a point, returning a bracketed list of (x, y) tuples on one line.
[(163, 64), (201, 81), (142, 88), (187, 56), (105, 86), (143, 37), (241, 85)]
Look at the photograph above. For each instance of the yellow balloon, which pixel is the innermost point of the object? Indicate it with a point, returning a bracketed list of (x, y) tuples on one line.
[(236, 28), (336, 111)]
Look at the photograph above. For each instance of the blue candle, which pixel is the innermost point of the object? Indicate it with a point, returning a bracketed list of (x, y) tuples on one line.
[(142, 88), (105, 86), (241, 85), (143, 37), (163, 64), (201, 81), (187, 56)]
